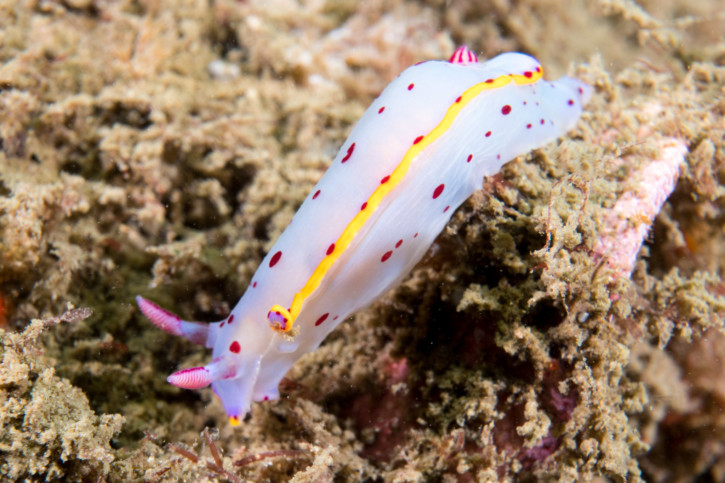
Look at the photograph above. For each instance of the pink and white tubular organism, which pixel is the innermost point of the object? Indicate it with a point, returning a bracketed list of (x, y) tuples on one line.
[(627, 223)]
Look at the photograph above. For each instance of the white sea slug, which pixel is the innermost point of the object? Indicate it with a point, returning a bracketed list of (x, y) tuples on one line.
[(421, 149)]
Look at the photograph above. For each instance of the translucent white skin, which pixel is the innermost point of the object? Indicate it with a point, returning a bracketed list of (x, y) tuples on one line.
[(255, 356)]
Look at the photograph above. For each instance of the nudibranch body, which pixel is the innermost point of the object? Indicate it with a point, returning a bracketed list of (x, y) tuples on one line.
[(419, 151)]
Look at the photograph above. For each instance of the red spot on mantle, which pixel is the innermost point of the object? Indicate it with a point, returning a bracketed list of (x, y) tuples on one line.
[(349, 153), (439, 189), (275, 258), (322, 318)]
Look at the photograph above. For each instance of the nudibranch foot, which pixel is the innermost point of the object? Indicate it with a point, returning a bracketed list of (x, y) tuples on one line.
[(196, 332)]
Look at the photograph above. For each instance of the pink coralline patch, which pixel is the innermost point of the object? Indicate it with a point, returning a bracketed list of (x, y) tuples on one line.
[(397, 370), (558, 405), (506, 438), (388, 412), (629, 220), (530, 456), (388, 416)]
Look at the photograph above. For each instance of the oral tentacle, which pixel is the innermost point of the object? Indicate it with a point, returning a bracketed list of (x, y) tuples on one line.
[(196, 332), (223, 367)]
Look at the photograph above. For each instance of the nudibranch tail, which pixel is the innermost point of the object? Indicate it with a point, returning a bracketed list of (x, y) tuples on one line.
[(196, 332), (463, 56)]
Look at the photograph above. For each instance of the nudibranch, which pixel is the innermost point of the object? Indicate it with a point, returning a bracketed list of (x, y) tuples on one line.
[(419, 151)]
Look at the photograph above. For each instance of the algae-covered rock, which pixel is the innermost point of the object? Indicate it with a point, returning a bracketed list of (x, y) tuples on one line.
[(48, 430), (160, 147)]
